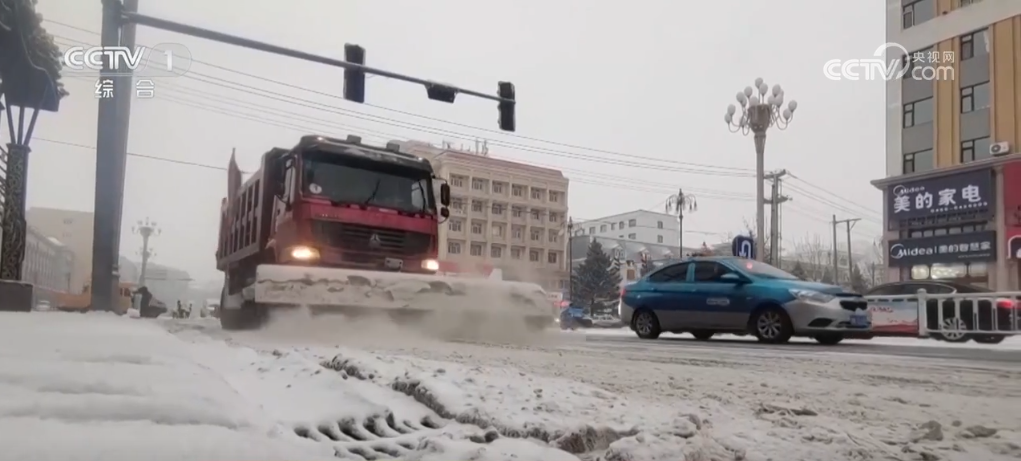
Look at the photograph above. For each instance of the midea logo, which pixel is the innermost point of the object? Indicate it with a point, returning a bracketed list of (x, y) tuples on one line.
[(898, 251)]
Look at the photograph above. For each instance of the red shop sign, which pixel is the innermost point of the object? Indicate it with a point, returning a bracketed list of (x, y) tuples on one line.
[(1012, 207)]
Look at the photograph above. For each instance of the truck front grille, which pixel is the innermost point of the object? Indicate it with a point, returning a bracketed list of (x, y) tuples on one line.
[(360, 238)]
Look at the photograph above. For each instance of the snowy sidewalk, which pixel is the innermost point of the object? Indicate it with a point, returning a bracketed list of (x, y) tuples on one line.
[(105, 388)]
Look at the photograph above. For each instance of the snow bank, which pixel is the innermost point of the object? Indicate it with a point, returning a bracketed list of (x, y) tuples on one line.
[(579, 418), (102, 387)]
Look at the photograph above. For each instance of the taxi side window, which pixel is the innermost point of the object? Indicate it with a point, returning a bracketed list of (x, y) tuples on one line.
[(708, 271), (671, 274)]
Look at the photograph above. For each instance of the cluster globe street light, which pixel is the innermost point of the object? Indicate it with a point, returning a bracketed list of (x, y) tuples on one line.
[(760, 108)]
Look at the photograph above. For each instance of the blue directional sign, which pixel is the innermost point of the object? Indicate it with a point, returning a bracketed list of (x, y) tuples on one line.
[(743, 246)]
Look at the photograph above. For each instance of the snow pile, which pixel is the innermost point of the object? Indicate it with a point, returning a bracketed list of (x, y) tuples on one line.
[(579, 418), (102, 387)]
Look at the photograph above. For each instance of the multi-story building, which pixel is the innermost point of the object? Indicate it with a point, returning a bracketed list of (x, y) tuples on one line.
[(952, 195), (47, 265), (506, 215), (74, 230), (638, 226)]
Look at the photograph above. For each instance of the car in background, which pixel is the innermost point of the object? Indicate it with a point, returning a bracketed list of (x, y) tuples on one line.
[(898, 316), (711, 294)]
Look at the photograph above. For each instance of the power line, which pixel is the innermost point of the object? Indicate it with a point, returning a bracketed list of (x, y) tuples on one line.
[(695, 168), (825, 191)]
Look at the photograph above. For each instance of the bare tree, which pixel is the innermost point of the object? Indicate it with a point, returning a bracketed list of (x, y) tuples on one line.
[(815, 258), (873, 264)]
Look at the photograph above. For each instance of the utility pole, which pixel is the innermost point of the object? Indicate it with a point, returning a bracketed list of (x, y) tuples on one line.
[(678, 204), (775, 200), (147, 229), (836, 253)]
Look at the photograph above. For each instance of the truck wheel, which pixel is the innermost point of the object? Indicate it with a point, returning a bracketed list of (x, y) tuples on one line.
[(251, 316)]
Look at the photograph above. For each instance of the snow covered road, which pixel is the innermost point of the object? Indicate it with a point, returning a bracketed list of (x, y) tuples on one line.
[(752, 403), (102, 387)]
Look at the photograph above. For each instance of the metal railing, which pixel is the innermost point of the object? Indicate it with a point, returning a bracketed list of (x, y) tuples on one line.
[(958, 316)]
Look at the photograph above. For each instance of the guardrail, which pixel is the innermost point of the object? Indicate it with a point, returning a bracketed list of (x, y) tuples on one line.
[(959, 317)]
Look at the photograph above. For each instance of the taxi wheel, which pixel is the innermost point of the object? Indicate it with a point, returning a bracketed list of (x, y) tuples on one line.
[(703, 335), (990, 339), (830, 339), (772, 325), (646, 324)]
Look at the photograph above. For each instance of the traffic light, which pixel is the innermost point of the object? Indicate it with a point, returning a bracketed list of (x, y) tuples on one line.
[(354, 79), (441, 92), (508, 100)]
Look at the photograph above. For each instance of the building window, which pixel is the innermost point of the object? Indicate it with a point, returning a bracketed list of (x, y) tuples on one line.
[(477, 228), (515, 253), (457, 181), (517, 212), (518, 232), (518, 191), (554, 236), (975, 149), (496, 252), (553, 217), (613, 226), (632, 236), (975, 44), (659, 224), (454, 248), (497, 187), (602, 228), (477, 206), (536, 235), (497, 230), (918, 112), (554, 196), (591, 230), (632, 222), (659, 239), (533, 256), (455, 225), (536, 194), (67, 222), (975, 97), (916, 12), (918, 161), (620, 224), (497, 209), (478, 184), (457, 204), (476, 249), (536, 214), (552, 257)]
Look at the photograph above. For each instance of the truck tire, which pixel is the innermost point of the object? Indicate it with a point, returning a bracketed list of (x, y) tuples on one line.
[(251, 316)]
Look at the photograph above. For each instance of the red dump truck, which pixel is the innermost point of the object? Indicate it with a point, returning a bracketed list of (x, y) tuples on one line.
[(336, 225)]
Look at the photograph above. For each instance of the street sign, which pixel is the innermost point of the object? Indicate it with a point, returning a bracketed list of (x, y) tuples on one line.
[(743, 246)]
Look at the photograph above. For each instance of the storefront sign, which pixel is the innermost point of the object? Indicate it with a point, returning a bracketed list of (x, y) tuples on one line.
[(973, 246), (1014, 245), (972, 191), (1012, 207)]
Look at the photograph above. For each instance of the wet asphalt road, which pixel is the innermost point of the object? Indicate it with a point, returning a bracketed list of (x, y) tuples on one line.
[(1003, 353)]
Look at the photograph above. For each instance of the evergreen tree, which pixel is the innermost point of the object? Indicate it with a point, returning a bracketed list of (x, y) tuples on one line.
[(799, 271), (858, 282), (597, 281)]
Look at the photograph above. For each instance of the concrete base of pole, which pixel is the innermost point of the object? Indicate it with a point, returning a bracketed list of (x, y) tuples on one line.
[(16, 296)]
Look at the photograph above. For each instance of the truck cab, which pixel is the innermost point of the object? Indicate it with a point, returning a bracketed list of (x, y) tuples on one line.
[(329, 202)]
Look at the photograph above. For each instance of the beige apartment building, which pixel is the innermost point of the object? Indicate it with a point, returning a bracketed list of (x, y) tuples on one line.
[(509, 215), (74, 230)]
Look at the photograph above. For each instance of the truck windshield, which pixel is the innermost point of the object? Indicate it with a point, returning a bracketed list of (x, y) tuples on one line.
[(345, 180)]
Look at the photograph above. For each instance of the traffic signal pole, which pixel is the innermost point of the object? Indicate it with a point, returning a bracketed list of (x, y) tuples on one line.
[(111, 151)]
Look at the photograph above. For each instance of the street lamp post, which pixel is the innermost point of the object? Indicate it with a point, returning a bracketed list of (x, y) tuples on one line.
[(570, 259), (760, 109), (680, 203), (147, 229)]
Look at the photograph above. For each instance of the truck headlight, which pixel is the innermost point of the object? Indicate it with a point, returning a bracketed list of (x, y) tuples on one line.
[(304, 253), (431, 265)]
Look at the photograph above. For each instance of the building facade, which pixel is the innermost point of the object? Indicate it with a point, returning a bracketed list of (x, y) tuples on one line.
[(637, 226), (626, 252), (74, 230), (48, 264), (969, 112), (166, 284), (505, 215), (950, 206)]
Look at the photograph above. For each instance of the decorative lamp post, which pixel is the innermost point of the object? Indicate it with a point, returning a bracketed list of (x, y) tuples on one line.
[(679, 203), (760, 109), (147, 229)]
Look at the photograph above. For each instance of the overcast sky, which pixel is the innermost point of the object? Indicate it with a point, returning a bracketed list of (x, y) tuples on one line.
[(649, 80)]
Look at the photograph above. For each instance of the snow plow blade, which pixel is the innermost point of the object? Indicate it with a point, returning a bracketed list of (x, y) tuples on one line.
[(402, 296)]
